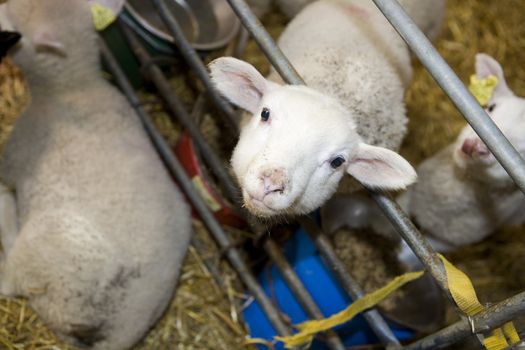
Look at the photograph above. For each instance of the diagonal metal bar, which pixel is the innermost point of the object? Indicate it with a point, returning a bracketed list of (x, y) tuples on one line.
[(492, 317), (195, 62), (498, 144), (265, 42), (178, 110), (373, 317), (414, 239), (299, 290), (332, 339), (185, 183)]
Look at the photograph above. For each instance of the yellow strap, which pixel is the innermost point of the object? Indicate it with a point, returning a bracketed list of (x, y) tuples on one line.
[(102, 16), (310, 328), (464, 295), (511, 333), (461, 289), (482, 89)]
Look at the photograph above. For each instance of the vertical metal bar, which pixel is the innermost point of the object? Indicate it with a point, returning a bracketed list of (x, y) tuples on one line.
[(498, 144), (299, 290), (185, 183), (193, 59)]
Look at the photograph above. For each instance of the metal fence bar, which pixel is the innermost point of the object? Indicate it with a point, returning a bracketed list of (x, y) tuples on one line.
[(414, 239), (332, 339), (498, 144), (193, 59), (373, 317), (177, 108), (185, 183), (492, 317), (299, 290), (265, 42)]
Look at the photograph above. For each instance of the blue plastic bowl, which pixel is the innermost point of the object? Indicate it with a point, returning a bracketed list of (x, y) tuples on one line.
[(325, 290)]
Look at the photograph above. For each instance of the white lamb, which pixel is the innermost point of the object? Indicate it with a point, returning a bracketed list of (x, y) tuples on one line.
[(95, 231), (290, 156), (427, 14), (463, 193)]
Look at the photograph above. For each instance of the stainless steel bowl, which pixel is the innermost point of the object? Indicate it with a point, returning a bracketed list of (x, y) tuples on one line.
[(207, 24)]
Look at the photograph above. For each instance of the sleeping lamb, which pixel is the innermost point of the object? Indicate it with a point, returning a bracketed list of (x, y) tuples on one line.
[(94, 231)]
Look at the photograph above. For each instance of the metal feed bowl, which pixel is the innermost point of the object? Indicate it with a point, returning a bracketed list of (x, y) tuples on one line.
[(207, 24)]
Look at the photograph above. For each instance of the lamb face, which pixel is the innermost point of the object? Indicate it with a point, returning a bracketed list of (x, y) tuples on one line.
[(508, 113), (298, 145)]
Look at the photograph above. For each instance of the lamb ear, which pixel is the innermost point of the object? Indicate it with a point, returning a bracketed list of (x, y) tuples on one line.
[(45, 39), (239, 82), (380, 168), (485, 66)]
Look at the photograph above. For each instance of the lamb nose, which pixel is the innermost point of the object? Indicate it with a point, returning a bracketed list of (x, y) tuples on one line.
[(271, 187), (273, 181), (468, 146)]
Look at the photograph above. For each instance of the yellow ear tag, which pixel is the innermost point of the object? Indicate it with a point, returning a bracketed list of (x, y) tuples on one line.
[(482, 89), (102, 16)]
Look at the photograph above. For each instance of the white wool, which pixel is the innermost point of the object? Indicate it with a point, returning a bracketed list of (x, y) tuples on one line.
[(427, 14), (102, 228)]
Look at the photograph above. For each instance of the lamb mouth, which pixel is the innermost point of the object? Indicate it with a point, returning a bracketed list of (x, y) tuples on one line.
[(258, 208)]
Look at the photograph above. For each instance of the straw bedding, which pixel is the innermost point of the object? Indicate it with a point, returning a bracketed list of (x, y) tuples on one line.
[(204, 315)]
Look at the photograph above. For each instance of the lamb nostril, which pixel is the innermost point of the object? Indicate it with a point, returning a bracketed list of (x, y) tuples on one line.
[(271, 187), (273, 181), (468, 146)]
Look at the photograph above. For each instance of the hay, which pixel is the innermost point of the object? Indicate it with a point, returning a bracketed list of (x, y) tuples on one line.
[(370, 260), (13, 98)]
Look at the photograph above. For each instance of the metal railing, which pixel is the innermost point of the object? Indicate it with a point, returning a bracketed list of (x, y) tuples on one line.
[(493, 317)]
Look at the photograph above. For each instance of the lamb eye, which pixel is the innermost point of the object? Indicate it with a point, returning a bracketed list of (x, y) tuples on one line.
[(491, 107), (337, 162), (265, 114)]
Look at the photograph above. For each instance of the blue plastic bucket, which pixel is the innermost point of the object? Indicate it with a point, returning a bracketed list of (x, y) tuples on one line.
[(325, 290)]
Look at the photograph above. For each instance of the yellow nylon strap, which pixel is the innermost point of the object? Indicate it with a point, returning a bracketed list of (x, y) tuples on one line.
[(102, 16), (310, 328), (482, 89), (464, 295), (511, 333)]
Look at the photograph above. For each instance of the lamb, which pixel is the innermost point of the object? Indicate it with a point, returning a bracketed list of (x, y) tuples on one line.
[(427, 14), (289, 159), (92, 227), (472, 195)]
